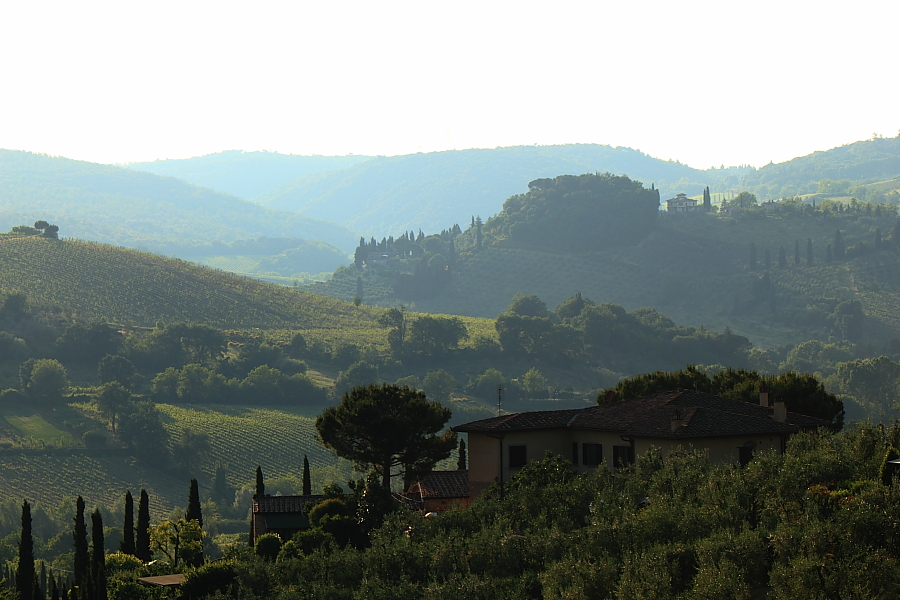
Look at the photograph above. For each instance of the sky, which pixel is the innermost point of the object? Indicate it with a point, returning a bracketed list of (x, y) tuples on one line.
[(704, 83)]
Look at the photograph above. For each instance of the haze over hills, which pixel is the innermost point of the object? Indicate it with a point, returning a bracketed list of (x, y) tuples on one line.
[(385, 195), (245, 174), (120, 206)]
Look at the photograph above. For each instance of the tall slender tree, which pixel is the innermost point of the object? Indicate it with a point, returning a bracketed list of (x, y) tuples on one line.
[(98, 557), (461, 463), (838, 246), (260, 482), (142, 535), (126, 546), (25, 575), (82, 567), (307, 480), (194, 514)]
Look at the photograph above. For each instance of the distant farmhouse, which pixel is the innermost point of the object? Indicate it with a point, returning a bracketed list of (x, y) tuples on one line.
[(681, 203), (615, 433), (284, 515)]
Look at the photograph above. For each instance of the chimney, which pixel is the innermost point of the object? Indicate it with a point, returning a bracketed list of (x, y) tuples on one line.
[(780, 414), (764, 395), (675, 423)]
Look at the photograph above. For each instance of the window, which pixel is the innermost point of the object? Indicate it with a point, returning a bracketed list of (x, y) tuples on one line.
[(574, 453), (591, 454), (517, 457), (745, 454), (622, 456)]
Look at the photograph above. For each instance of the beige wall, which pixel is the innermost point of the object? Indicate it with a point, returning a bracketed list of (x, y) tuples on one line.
[(484, 451), (721, 450)]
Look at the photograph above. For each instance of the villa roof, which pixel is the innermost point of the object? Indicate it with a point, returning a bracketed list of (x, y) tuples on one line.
[(283, 504), (442, 484), (697, 415)]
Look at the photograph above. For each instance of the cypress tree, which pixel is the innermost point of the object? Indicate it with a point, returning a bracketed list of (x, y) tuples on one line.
[(838, 246), (809, 254), (796, 253), (220, 485), (54, 589), (193, 509), (478, 235), (98, 557), (461, 460), (79, 540), (142, 535), (25, 575), (126, 546), (36, 593), (782, 257), (260, 483), (194, 514), (307, 480)]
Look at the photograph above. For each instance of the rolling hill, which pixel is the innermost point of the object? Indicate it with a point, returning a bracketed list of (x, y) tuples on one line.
[(245, 174), (120, 206), (386, 195), (694, 268)]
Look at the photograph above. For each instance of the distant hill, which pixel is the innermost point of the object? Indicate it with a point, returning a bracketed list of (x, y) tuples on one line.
[(695, 268), (125, 207), (866, 161), (245, 174), (386, 195), (137, 288)]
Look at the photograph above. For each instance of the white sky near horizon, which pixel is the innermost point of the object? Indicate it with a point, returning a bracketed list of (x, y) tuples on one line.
[(703, 82)]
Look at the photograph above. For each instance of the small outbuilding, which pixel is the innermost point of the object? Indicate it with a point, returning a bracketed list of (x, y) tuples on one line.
[(284, 515)]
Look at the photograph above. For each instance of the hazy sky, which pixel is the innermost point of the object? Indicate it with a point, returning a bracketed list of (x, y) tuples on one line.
[(701, 82)]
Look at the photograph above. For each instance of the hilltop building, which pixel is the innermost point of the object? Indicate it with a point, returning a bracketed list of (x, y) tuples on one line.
[(681, 203), (616, 432)]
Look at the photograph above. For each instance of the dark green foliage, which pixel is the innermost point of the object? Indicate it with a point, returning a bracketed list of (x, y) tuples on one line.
[(809, 252), (142, 535), (208, 579), (782, 257), (434, 336), (260, 482), (579, 213), (15, 306), (307, 482), (357, 375), (82, 567), (113, 367), (142, 430), (803, 394), (98, 557), (88, 343), (752, 256), (221, 491), (195, 559), (44, 379), (387, 426), (888, 470), (268, 546), (796, 253), (127, 546), (838, 245), (461, 460), (25, 574), (187, 452)]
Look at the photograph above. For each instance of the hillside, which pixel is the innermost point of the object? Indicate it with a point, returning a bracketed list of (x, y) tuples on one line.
[(44, 468), (694, 268), (387, 195), (867, 161), (245, 174), (137, 288), (115, 205)]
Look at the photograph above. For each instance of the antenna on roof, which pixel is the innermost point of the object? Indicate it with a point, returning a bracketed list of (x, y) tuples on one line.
[(499, 398)]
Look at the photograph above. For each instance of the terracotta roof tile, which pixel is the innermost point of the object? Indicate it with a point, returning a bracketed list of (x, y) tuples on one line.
[(699, 414), (442, 484), (283, 504)]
